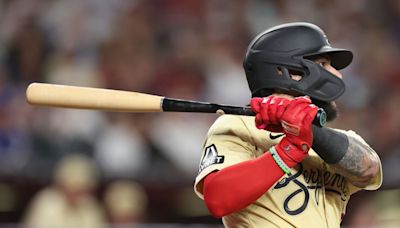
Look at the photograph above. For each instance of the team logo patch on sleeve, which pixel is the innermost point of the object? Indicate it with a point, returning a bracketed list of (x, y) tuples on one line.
[(210, 157)]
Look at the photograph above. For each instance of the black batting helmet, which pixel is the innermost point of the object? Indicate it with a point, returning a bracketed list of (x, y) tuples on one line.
[(276, 52)]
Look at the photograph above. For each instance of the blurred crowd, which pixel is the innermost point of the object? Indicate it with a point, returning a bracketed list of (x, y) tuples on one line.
[(132, 168)]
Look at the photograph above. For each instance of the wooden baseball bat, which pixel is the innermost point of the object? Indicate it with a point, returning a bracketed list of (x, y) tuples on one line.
[(65, 96)]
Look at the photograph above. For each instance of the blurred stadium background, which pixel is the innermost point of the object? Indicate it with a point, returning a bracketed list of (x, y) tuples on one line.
[(87, 168)]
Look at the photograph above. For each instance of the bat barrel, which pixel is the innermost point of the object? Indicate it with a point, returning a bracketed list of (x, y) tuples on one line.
[(66, 96)]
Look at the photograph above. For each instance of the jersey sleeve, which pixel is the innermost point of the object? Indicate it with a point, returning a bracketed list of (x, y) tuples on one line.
[(377, 182), (227, 143)]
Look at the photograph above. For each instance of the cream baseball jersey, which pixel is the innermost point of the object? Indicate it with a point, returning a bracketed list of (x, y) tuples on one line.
[(314, 195)]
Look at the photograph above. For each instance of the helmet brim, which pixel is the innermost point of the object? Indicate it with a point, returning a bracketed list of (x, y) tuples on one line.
[(340, 58)]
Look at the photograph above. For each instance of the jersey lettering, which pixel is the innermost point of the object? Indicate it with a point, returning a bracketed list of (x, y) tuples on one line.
[(302, 188), (210, 157), (314, 180)]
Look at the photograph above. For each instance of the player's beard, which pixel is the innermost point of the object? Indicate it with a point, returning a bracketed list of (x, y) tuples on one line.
[(330, 108)]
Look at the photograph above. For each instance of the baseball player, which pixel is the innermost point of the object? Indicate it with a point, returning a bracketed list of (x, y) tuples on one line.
[(277, 169)]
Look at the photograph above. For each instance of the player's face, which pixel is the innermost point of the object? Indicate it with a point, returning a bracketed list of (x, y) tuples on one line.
[(329, 107), (325, 62)]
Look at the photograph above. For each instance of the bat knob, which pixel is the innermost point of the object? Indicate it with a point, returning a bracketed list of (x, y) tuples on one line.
[(320, 118)]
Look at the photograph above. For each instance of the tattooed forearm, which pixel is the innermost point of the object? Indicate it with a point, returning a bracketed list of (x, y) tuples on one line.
[(348, 154), (360, 163)]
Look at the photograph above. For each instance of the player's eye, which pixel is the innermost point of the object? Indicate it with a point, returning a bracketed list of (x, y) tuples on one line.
[(323, 63)]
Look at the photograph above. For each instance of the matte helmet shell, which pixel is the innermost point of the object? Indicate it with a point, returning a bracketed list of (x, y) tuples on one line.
[(282, 49)]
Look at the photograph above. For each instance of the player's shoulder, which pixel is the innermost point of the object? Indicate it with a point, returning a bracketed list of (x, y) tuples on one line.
[(231, 124), (242, 127)]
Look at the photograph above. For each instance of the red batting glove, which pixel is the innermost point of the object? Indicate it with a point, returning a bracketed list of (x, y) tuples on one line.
[(269, 111), (297, 125)]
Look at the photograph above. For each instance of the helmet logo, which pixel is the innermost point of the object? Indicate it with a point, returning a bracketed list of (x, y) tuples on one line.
[(326, 39)]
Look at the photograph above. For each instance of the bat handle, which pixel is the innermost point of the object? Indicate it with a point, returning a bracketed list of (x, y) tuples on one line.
[(319, 120), (178, 105)]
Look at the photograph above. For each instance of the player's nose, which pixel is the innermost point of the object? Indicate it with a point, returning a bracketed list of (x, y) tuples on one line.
[(333, 70)]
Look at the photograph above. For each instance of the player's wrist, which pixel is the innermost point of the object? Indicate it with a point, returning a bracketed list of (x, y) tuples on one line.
[(300, 143), (290, 153), (279, 161)]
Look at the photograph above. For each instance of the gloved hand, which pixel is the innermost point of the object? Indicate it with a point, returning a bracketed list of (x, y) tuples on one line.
[(269, 111), (292, 117), (297, 125)]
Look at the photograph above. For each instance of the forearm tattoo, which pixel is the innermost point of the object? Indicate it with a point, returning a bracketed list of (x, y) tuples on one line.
[(359, 163)]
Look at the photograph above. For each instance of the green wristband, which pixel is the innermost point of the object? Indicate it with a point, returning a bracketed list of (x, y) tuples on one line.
[(279, 160)]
